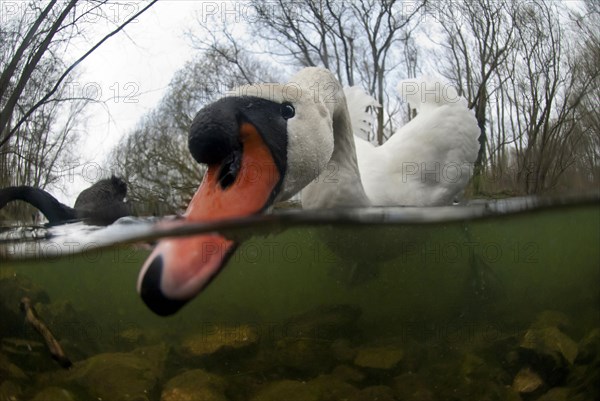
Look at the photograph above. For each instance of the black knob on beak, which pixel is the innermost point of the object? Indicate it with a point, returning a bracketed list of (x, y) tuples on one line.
[(214, 133)]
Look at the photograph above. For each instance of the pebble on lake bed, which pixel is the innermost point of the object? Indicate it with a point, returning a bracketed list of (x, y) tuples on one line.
[(378, 357), (218, 338), (288, 390), (527, 381), (194, 385)]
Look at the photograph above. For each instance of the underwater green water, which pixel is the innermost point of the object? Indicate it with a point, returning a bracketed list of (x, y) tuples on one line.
[(461, 285), (549, 260)]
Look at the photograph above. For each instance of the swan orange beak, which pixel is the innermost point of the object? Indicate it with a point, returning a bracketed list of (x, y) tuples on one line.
[(179, 268)]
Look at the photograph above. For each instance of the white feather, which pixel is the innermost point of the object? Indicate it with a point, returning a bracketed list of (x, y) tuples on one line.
[(427, 162), (360, 106)]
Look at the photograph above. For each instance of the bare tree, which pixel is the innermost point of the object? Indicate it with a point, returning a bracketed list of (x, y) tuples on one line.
[(586, 61), (478, 36), (33, 42), (155, 163), (530, 84), (361, 41), (548, 87), (39, 115)]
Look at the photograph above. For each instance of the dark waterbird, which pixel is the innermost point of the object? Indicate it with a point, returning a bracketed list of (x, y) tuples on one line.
[(101, 204)]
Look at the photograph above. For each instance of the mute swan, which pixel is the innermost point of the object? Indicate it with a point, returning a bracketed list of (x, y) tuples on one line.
[(263, 144), (101, 204)]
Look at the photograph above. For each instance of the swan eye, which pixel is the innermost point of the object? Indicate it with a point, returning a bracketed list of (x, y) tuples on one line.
[(287, 111)]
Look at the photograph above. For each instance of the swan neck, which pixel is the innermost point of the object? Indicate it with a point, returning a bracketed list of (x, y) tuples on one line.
[(51, 208), (340, 185), (344, 150)]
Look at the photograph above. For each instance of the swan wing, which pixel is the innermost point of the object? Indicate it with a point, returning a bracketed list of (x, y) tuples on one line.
[(429, 161)]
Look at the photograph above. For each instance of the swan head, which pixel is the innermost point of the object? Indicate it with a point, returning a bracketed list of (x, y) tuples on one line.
[(262, 144)]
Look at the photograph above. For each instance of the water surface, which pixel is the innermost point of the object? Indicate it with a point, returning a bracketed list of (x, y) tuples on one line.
[(451, 296)]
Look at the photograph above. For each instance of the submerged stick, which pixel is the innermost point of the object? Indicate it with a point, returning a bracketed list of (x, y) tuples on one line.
[(51, 342)]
